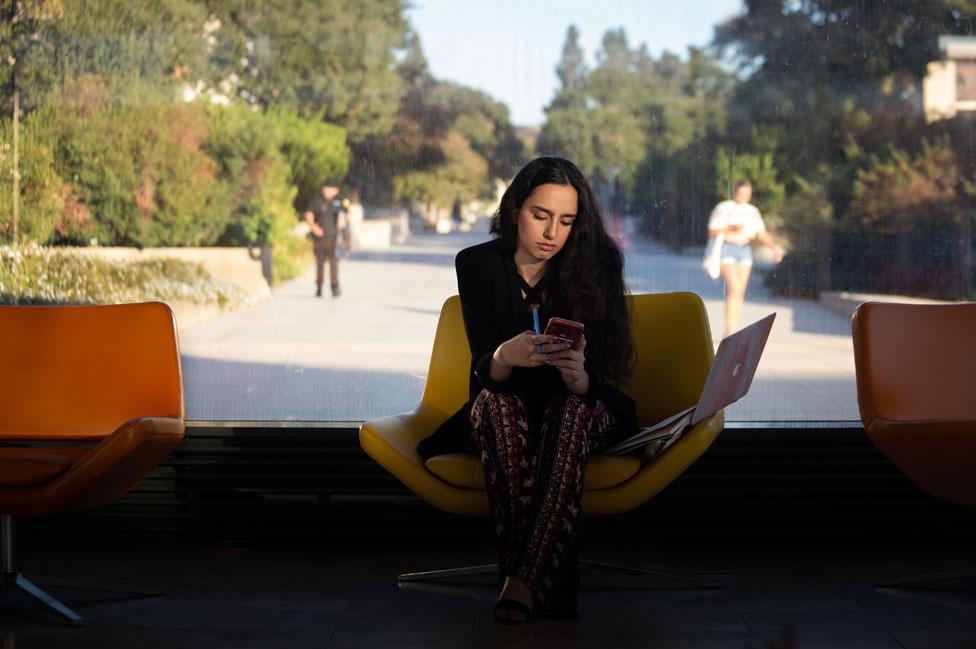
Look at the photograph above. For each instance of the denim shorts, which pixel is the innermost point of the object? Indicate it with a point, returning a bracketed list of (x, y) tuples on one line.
[(734, 253)]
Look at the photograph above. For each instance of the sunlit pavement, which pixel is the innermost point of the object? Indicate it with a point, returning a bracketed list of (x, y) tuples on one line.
[(364, 355)]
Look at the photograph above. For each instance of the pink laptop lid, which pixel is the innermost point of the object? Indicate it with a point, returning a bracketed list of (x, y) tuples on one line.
[(733, 368)]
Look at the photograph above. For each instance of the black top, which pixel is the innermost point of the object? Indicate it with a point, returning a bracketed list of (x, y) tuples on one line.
[(494, 311), (326, 215)]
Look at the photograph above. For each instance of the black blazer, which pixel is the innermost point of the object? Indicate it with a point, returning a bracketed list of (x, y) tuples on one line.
[(494, 311)]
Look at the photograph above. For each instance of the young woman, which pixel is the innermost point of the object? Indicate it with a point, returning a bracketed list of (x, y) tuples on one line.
[(740, 222), (538, 406)]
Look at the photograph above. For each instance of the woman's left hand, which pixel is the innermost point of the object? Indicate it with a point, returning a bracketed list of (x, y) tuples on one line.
[(570, 363)]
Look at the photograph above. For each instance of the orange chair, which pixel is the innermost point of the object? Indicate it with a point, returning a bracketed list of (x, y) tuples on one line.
[(91, 400), (916, 381)]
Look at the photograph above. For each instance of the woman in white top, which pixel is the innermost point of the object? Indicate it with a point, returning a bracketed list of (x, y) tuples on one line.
[(739, 222)]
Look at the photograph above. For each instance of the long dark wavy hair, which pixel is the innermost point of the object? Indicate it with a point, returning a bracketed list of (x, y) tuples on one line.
[(585, 280)]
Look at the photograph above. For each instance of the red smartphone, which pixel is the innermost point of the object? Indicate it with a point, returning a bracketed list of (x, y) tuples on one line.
[(568, 330)]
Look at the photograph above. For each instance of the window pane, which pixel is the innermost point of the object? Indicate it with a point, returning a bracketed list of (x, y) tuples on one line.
[(181, 153)]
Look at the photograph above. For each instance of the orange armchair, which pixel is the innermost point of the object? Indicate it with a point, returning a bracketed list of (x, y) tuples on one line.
[(916, 381), (91, 401)]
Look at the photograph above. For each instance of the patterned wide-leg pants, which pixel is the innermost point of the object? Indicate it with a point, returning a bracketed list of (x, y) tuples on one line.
[(535, 485)]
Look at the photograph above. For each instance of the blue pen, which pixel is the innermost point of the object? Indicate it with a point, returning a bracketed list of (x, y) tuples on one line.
[(535, 325)]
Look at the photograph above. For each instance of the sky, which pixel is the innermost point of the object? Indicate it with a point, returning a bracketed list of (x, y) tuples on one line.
[(510, 48)]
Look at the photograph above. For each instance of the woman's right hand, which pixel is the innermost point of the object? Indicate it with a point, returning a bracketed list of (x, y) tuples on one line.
[(521, 351)]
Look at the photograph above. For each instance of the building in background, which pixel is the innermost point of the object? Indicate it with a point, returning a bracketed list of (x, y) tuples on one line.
[(950, 85)]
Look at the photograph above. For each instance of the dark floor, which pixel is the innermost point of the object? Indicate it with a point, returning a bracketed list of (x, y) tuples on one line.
[(805, 599)]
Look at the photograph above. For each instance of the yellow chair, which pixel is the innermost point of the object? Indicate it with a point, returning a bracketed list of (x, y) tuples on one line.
[(674, 354), (91, 400)]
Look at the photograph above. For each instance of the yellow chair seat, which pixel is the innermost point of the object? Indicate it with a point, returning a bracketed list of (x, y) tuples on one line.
[(465, 470)]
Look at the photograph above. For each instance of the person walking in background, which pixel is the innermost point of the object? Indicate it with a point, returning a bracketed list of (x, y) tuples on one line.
[(326, 218), (456, 213), (541, 405), (740, 223)]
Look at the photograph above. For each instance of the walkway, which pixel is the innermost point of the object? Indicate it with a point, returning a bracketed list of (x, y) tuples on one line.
[(365, 354)]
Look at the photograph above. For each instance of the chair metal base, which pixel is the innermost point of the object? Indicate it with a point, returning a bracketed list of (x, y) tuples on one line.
[(492, 568), (916, 580), (11, 580), (16, 582)]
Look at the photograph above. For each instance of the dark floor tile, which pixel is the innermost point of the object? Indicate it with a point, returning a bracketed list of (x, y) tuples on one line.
[(387, 639), (824, 620), (24, 636), (893, 565), (405, 619), (783, 600), (714, 619), (19, 612), (536, 634), (188, 639), (936, 638), (567, 634), (652, 638), (40, 569), (257, 619), (144, 612), (275, 597), (786, 638), (350, 598), (844, 639), (923, 608)]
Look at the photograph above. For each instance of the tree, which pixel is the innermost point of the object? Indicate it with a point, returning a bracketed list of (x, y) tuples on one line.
[(40, 188), (133, 174), (460, 173), (314, 149), (623, 120), (915, 207), (331, 57), (571, 69), (830, 83), (448, 142), (567, 130), (53, 41)]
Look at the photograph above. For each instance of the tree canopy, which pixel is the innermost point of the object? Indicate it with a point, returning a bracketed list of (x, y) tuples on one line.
[(311, 88)]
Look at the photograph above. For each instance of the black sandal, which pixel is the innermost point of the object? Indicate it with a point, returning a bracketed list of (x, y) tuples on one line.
[(513, 606)]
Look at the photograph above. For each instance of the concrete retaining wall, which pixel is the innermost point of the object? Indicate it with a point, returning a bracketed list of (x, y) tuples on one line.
[(374, 234), (398, 219), (844, 303), (244, 267)]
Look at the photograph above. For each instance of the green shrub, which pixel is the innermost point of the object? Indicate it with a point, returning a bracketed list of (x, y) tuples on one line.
[(315, 150), (292, 256), (41, 200), (132, 168), (40, 275), (758, 168), (910, 216), (246, 145), (805, 230), (140, 171)]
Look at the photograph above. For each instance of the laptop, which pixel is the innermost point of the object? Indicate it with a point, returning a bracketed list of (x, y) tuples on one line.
[(733, 368), (728, 380)]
